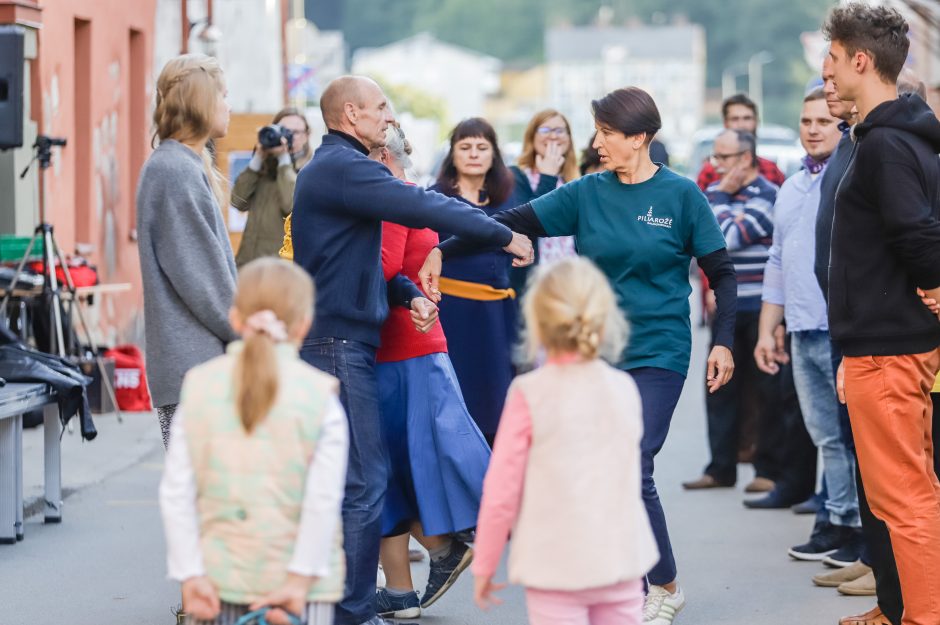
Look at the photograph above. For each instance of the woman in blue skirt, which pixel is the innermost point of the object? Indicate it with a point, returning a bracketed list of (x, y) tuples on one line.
[(477, 310), (438, 457)]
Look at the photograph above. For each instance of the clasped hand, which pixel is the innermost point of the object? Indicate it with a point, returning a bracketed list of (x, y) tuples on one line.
[(201, 599)]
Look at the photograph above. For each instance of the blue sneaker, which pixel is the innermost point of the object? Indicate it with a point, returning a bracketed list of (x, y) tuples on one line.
[(445, 572), (405, 606)]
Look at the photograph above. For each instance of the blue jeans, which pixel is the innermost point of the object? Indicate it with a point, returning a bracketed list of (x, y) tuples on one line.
[(353, 364), (815, 386), (659, 394)]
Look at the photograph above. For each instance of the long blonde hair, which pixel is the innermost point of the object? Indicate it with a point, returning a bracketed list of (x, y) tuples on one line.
[(284, 289), (569, 170), (570, 307), (188, 91)]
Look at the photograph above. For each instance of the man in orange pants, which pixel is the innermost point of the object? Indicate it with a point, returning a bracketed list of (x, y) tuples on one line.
[(885, 246)]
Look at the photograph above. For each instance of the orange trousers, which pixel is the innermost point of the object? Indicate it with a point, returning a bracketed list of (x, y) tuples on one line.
[(890, 409)]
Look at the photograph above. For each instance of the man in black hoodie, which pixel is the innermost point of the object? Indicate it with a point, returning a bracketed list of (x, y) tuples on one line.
[(886, 245)]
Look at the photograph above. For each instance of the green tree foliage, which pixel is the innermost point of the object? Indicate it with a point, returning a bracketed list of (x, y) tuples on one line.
[(513, 30)]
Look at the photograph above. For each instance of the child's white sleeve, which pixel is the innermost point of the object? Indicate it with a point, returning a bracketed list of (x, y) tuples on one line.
[(178, 508), (323, 497)]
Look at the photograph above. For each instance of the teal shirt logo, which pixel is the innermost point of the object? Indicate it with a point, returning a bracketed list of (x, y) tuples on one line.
[(662, 222)]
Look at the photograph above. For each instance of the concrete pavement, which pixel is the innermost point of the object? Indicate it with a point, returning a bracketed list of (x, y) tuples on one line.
[(104, 564)]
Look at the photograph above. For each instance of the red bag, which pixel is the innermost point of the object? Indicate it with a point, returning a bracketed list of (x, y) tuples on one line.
[(82, 273), (130, 378)]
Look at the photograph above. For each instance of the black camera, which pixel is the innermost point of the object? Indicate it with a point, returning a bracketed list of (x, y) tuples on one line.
[(270, 136)]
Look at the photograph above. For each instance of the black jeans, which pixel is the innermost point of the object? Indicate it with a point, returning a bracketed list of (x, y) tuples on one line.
[(750, 391)]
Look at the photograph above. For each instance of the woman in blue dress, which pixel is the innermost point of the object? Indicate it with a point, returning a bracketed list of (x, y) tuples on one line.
[(477, 309)]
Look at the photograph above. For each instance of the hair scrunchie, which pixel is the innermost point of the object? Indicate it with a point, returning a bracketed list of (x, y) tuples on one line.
[(266, 322)]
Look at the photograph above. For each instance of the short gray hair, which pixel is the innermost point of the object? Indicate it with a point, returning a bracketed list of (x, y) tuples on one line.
[(747, 142), (398, 146)]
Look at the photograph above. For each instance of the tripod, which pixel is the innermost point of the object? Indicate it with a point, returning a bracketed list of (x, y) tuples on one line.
[(51, 286)]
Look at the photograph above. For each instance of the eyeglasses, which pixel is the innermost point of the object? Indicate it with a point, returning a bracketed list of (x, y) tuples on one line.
[(721, 158), (555, 132)]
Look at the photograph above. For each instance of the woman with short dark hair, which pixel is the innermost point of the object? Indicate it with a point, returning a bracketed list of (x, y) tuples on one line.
[(641, 224), (478, 313)]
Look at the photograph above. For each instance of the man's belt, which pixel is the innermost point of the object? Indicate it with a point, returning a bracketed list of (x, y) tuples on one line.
[(474, 290)]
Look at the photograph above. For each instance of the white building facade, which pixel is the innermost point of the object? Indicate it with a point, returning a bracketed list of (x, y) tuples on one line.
[(461, 77), (668, 62), (247, 40)]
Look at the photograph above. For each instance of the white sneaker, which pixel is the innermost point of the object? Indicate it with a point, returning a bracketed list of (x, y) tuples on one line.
[(661, 606)]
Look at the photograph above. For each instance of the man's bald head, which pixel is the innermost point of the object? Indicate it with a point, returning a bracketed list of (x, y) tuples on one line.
[(357, 106), (340, 91)]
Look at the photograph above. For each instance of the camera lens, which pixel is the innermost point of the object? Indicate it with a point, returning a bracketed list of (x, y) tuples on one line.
[(270, 136)]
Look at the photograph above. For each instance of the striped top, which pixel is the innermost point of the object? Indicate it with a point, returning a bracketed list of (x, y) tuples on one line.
[(746, 222)]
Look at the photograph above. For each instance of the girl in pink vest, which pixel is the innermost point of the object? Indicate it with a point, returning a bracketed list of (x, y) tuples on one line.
[(567, 455), (256, 467)]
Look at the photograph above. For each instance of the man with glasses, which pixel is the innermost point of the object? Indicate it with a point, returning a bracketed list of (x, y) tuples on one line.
[(742, 200), (740, 113)]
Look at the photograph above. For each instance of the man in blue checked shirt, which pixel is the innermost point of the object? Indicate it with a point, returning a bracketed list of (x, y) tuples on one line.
[(791, 292), (743, 203)]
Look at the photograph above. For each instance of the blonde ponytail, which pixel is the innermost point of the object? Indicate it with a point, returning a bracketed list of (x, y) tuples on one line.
[(281, 295), (256, 379)]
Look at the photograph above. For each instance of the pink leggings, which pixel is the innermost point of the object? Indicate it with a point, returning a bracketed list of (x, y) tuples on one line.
[(620, 604)]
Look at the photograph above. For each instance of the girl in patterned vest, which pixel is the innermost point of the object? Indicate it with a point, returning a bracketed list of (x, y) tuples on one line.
[(256, 467), (567, 455)]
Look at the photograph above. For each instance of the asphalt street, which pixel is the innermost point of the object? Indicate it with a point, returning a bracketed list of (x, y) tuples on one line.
[(104, 565)]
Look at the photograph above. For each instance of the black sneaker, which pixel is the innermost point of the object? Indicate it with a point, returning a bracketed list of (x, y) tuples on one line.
[(445, 572), (850, 551), (405, 606), (825, 540)]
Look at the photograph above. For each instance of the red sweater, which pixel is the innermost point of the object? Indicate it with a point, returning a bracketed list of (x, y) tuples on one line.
[(768, 169), (403, 251)]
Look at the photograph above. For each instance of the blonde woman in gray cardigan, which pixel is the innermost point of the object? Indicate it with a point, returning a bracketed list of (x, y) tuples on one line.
[(186, 260)]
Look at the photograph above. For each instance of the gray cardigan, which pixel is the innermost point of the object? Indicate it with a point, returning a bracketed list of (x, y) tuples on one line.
[(187, 267)]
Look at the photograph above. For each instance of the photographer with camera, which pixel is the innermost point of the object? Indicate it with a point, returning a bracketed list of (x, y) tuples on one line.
[(265, 189)]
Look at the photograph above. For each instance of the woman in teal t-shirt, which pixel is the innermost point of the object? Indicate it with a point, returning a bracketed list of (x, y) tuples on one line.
[(641, 224)]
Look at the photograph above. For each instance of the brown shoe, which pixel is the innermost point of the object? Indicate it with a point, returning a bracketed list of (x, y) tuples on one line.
[(873, 617), (864, 586), (759, 485), (834, 579), (706, 481)]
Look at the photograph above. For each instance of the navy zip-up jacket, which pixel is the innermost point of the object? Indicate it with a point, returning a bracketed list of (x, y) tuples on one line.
[(340, 201), (831, 178)]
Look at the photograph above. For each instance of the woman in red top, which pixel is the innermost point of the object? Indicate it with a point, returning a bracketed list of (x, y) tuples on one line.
[(438, 457)]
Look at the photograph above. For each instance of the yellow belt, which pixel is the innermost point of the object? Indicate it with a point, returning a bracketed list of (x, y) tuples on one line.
[(474, 290)]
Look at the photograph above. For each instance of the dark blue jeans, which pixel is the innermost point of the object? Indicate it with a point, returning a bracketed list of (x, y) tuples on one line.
[(659, 394), (353, 364)]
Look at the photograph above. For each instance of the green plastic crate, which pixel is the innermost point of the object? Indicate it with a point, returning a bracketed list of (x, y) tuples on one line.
[(13, 247)]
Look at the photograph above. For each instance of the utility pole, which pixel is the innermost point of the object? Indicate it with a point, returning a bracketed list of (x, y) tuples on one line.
[(755, 77)]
